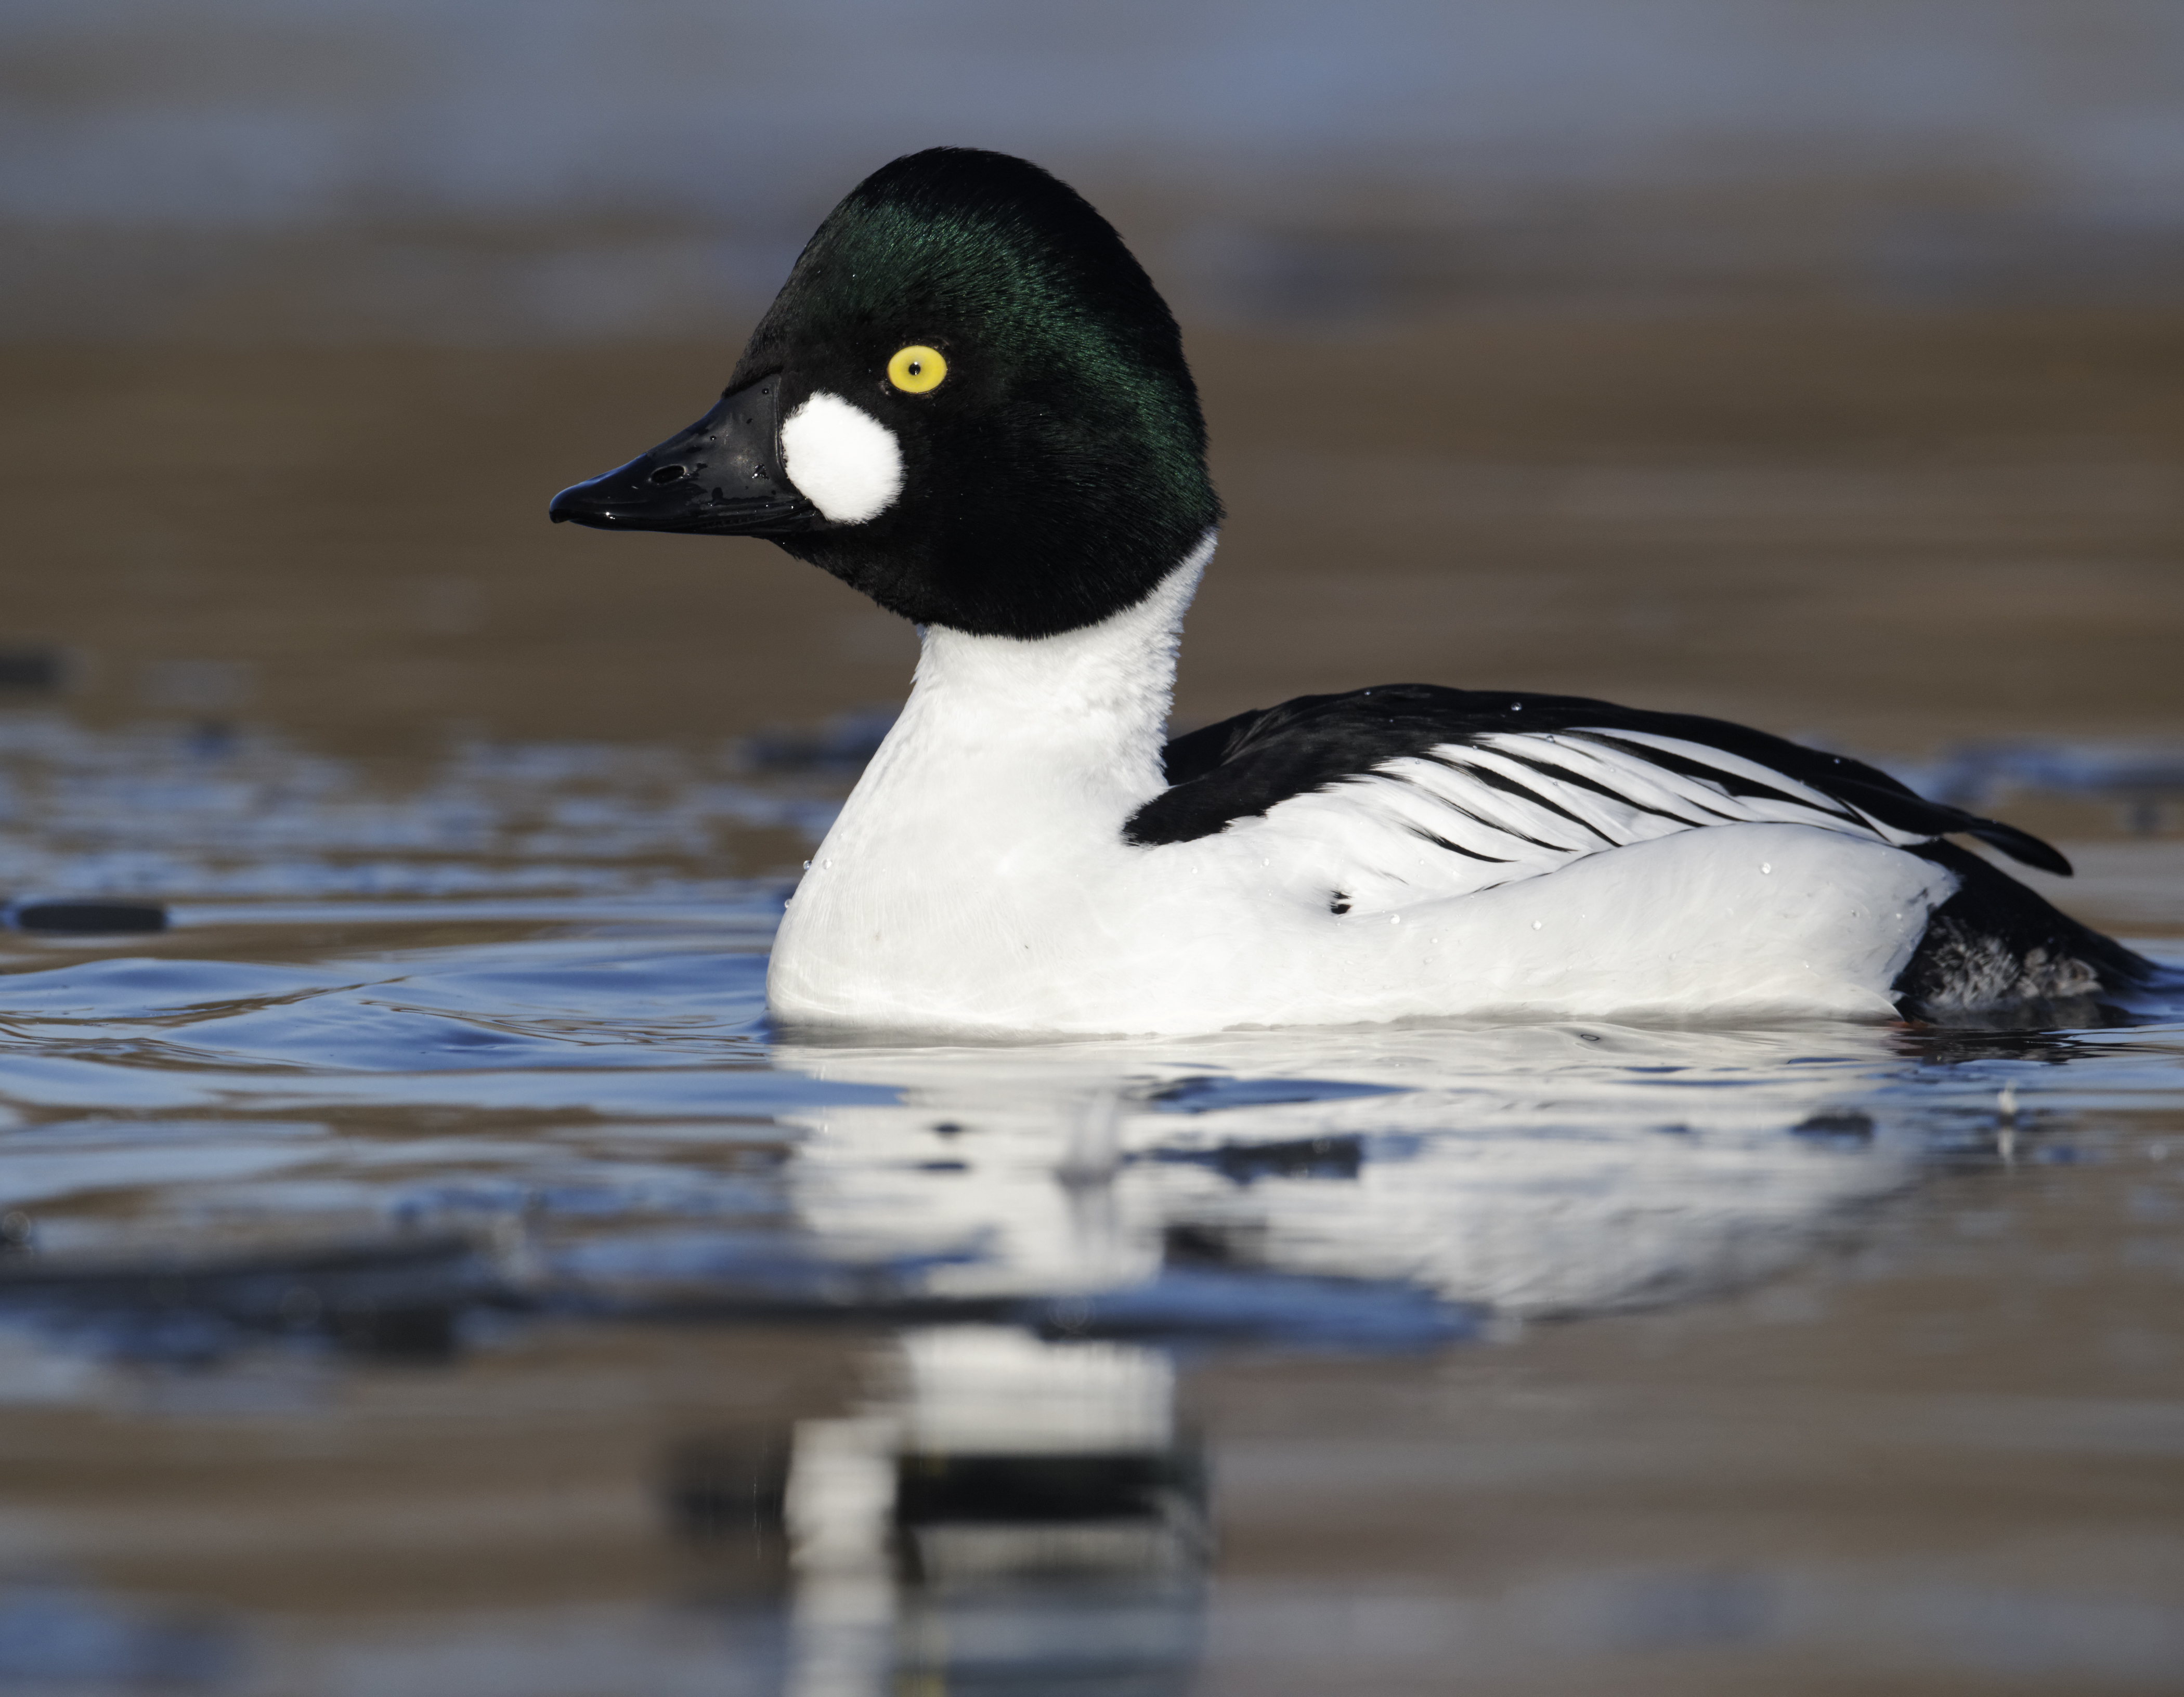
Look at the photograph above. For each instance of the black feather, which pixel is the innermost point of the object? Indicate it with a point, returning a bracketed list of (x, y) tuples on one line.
[(1995, 943)]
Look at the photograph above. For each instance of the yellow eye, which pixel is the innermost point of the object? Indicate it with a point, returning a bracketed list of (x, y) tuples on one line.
[(916, 369)]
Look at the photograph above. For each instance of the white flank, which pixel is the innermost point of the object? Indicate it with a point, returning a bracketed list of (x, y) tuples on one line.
[(846, 463), (977, 880)]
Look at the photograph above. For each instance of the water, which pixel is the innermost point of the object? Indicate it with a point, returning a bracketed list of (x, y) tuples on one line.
[(425, 1272)]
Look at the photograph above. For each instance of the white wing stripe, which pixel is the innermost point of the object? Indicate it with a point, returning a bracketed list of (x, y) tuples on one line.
[(1428, 811), (1723, 761), (1462, 817), (1610, 812), (1790, 803), (1837, 816), (1567, 805), (1640, 783), (1457, 785)]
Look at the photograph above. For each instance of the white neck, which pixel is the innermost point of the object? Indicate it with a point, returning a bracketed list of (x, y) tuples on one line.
[(991, 814), (1087, 706)]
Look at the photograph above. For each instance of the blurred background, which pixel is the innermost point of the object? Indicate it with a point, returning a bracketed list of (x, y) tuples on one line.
[(569, 171), (1812, 363)]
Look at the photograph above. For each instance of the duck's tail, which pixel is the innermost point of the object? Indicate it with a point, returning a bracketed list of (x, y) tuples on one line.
[(1996, 948)]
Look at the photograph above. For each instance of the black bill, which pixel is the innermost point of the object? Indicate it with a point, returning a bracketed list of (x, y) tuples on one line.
[(721, 477)]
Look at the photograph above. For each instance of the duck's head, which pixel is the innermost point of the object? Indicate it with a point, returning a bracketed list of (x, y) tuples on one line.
[(968, 402)]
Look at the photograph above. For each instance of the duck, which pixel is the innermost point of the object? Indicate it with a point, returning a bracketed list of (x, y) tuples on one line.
[(970, 403)]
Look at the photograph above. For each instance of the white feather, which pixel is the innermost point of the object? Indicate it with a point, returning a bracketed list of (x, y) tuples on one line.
[(845, 462)]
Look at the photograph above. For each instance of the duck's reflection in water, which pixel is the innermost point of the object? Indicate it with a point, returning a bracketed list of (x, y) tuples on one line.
[(1512, 1172), (1006, 1514), (1015, 1509)]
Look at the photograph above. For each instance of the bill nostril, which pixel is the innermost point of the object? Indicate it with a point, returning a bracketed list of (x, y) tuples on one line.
[(671, 474)]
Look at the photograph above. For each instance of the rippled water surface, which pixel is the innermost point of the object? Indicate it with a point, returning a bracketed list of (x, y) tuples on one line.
[(425, 1271)]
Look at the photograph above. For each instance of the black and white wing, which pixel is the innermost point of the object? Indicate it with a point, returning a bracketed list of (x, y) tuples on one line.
[(1386, 796), (1442, 792)]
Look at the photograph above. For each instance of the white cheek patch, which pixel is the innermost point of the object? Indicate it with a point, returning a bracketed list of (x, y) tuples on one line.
[(846, 462)]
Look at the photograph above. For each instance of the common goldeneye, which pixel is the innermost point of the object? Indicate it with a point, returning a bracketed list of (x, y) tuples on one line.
[(969, 403)]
